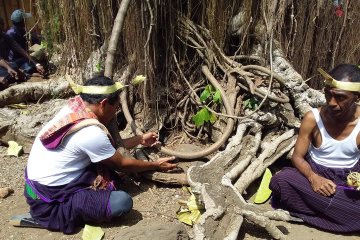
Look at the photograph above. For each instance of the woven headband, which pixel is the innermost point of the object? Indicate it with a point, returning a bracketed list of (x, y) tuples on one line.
[(347, 86), (101, 89)]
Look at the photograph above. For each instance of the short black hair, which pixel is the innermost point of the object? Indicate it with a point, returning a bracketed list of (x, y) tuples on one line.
[(96, 98), (346, 71)]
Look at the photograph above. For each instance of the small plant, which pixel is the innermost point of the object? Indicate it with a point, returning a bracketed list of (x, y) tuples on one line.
[(251, 103), (98, 67), (210, 96)]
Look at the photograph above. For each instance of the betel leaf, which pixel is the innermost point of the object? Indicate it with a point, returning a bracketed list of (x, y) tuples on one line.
[(203, 115), (217, 96), (204, 95)]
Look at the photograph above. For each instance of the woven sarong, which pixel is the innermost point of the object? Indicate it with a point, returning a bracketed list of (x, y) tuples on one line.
[(67, 208), (338, 213)]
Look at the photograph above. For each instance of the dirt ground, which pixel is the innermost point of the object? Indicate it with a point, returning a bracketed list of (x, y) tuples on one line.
[(152, 203)]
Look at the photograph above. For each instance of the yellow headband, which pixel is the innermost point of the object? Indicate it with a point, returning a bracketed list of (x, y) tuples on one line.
[(94, 89), (347, 86)]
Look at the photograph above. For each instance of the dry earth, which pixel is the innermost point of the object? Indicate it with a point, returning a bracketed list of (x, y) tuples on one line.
[(153, 203)]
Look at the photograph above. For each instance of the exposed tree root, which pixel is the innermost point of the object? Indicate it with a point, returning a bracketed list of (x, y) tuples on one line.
[(223, 201), (35, 91), (22, 125)]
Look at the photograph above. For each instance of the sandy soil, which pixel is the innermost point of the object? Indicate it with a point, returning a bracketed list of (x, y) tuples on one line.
[(152, 203)]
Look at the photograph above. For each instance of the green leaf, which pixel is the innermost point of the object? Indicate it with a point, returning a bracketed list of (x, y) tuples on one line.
[(14, 149), (213, 117), (217, 96), (92, 233), (203, 115), (204, 95), (98, 67), (250, 103), (209, 88)]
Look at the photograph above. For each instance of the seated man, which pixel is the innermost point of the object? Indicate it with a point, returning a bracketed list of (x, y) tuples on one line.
[(326, 151), (68, 182), (25, 64), (18, 33)]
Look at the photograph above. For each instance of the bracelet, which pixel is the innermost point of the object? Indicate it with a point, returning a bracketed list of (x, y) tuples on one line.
[(38, 64)]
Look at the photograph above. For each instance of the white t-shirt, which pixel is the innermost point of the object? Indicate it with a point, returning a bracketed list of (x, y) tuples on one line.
[(68, 161)]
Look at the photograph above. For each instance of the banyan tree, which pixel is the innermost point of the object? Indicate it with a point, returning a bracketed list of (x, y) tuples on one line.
[(234, 77)]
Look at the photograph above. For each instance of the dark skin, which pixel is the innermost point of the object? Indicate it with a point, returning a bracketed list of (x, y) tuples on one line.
[(340, 116)]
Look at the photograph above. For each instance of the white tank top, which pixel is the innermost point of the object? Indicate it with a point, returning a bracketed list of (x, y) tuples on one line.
[(335, 153)]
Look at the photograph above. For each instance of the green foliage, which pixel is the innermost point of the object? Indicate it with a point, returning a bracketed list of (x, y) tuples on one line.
[(202, 116), (98, 67), (217, 97), (211, 96), (251, 103)]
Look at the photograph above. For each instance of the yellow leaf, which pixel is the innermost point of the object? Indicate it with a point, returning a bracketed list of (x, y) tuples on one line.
[(14, 149), (264, 192), (138, 79), (92, 233), (18, 106), (24, 112), (190, 213)]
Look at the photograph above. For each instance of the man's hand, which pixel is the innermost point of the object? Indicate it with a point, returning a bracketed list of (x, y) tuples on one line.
[(149, 139), (13, 73), (40, 68), (322, 185), (164, 163)]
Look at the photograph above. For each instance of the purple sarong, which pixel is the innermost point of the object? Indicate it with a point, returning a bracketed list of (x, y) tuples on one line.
[(338, 213), (67, 208)]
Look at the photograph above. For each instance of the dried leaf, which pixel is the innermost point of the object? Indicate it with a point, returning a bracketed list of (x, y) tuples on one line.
[(92, 233), (14, 149), (190, 213)]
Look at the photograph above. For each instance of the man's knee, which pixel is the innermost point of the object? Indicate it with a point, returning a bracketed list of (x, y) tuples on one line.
[(279, 179), (120, 203)]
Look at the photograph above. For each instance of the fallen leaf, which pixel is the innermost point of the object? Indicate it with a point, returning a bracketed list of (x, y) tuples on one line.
[(92, 233), (264, 192), (14, 149), (190, 213)]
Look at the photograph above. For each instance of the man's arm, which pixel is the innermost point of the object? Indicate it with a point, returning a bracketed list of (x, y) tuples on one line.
[(17, 48), (119, 162), (319, 184), (10, 70), (147, 139)]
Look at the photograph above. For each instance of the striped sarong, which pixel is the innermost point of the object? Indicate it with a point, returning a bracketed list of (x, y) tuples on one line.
[(338, 213), (67, 208)]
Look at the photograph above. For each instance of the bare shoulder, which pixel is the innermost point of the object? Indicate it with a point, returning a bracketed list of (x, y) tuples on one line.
[(308, 120), (357, 114)]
